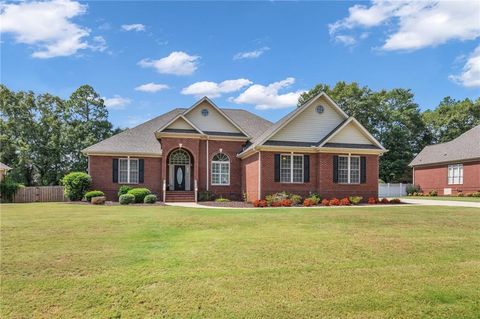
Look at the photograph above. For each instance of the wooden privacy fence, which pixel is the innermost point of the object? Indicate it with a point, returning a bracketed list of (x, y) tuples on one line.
[(39, 194)]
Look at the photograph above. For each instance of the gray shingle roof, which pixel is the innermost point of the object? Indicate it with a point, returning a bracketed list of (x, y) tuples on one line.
[(464, 147), (141, 139)]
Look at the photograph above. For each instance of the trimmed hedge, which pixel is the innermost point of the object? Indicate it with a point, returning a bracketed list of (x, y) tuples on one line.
[(89, 195), (150, 199), (126, 199), (139, 194), (76, 185), (124, 190)]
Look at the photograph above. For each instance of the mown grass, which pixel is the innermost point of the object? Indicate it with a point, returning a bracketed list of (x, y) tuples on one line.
[(449, 198), (79, 261)]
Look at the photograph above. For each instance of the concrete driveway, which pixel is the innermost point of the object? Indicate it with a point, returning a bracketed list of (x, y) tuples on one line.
[(433, 202)]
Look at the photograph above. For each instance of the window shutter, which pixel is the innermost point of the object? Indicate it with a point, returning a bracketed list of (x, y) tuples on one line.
[(277, 168), (140, 170), (363, 169), (115, 170), (335, 168), (306, 168)]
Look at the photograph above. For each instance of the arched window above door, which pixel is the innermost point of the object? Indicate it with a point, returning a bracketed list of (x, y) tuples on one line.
[(220, 169), (179, 157)]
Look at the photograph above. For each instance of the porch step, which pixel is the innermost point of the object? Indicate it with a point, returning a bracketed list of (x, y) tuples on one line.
[(179, 196)]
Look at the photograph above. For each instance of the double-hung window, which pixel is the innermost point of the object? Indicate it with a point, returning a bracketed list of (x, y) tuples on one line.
[(128, 170), (349, 169), (291, 168), (455, 174), (220, 169)]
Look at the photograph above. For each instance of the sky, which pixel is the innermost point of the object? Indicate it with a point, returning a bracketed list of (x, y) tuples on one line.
[(146, 58)]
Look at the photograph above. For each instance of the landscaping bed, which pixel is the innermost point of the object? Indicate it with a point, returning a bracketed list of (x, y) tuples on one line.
[(233, 204)]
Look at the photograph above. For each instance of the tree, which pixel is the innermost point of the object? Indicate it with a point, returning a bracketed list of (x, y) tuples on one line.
[(42, 135), (452, 118)]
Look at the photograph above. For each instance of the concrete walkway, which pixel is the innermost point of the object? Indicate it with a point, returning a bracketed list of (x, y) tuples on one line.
[(434, 202)]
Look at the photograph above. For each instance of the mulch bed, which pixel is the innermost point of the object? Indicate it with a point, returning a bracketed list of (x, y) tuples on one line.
[(110, 203), (227, 204)]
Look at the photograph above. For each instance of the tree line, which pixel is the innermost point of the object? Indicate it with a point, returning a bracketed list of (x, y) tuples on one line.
[(42, 135), (397, 122)]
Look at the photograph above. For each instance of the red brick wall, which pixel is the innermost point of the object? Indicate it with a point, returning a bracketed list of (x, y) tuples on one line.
[(230, 148), (321, 178), (436, 178), (269, 186), (101, 172), (329, 189), (250, 177)]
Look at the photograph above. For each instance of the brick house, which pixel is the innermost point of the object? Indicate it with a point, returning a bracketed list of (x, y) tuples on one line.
[(450, 167), (234, 153)]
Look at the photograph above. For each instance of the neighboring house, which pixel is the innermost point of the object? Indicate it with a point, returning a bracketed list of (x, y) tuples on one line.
[(450, 167), (3, 170), (234, 153)]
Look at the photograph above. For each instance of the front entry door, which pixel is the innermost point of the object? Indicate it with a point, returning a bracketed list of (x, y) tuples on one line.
[(179, 172)]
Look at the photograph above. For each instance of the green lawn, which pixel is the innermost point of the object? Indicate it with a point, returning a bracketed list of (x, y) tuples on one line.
[(79, 261), (449, 198)]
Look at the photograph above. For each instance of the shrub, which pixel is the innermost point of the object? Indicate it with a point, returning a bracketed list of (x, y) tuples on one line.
[(325, 202), (413, 189), (76, 185), (277, 197), (433, 193), (334, 202), (355, 200), (98, 200), (150, 199), (476, 194), (276, 204), (296, 199), (345, 202), (372, 200), (460, 194), (286, 202), (308, 202), (395, 201), (385, 201), (124, 189), (139, 194), (126, 199), (222, 200), (260, 203), (8, 188), (206, 196), (89, 195)]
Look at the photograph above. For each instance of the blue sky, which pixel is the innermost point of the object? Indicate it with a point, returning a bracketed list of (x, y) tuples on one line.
[(146, 58)]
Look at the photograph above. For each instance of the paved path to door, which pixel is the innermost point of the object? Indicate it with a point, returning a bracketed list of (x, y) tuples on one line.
[(434, 202)]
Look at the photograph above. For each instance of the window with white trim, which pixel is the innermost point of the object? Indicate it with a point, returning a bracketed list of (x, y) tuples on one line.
[(348, 169), (128, 171), (220, 169), (291, 168), (455, 174)]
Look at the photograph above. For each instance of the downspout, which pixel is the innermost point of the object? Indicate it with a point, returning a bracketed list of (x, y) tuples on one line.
[(259, 175), (208, 166)]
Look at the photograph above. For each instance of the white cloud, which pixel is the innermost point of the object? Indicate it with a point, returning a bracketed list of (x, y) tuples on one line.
[(470, 76), (251, 54), (177, 63), (133, 27), (213, 89), (345, 39), (267, 97), (99, 44), (418, 24), (151, 87), (116, 102), (46, 25)]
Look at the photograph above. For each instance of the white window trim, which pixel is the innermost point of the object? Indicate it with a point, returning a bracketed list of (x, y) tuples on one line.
[(349, 171), (291, 155), (220, 163), (128, 159), (453, 166)]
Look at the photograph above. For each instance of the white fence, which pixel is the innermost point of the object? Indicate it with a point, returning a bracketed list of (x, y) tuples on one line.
[(392, 190)]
